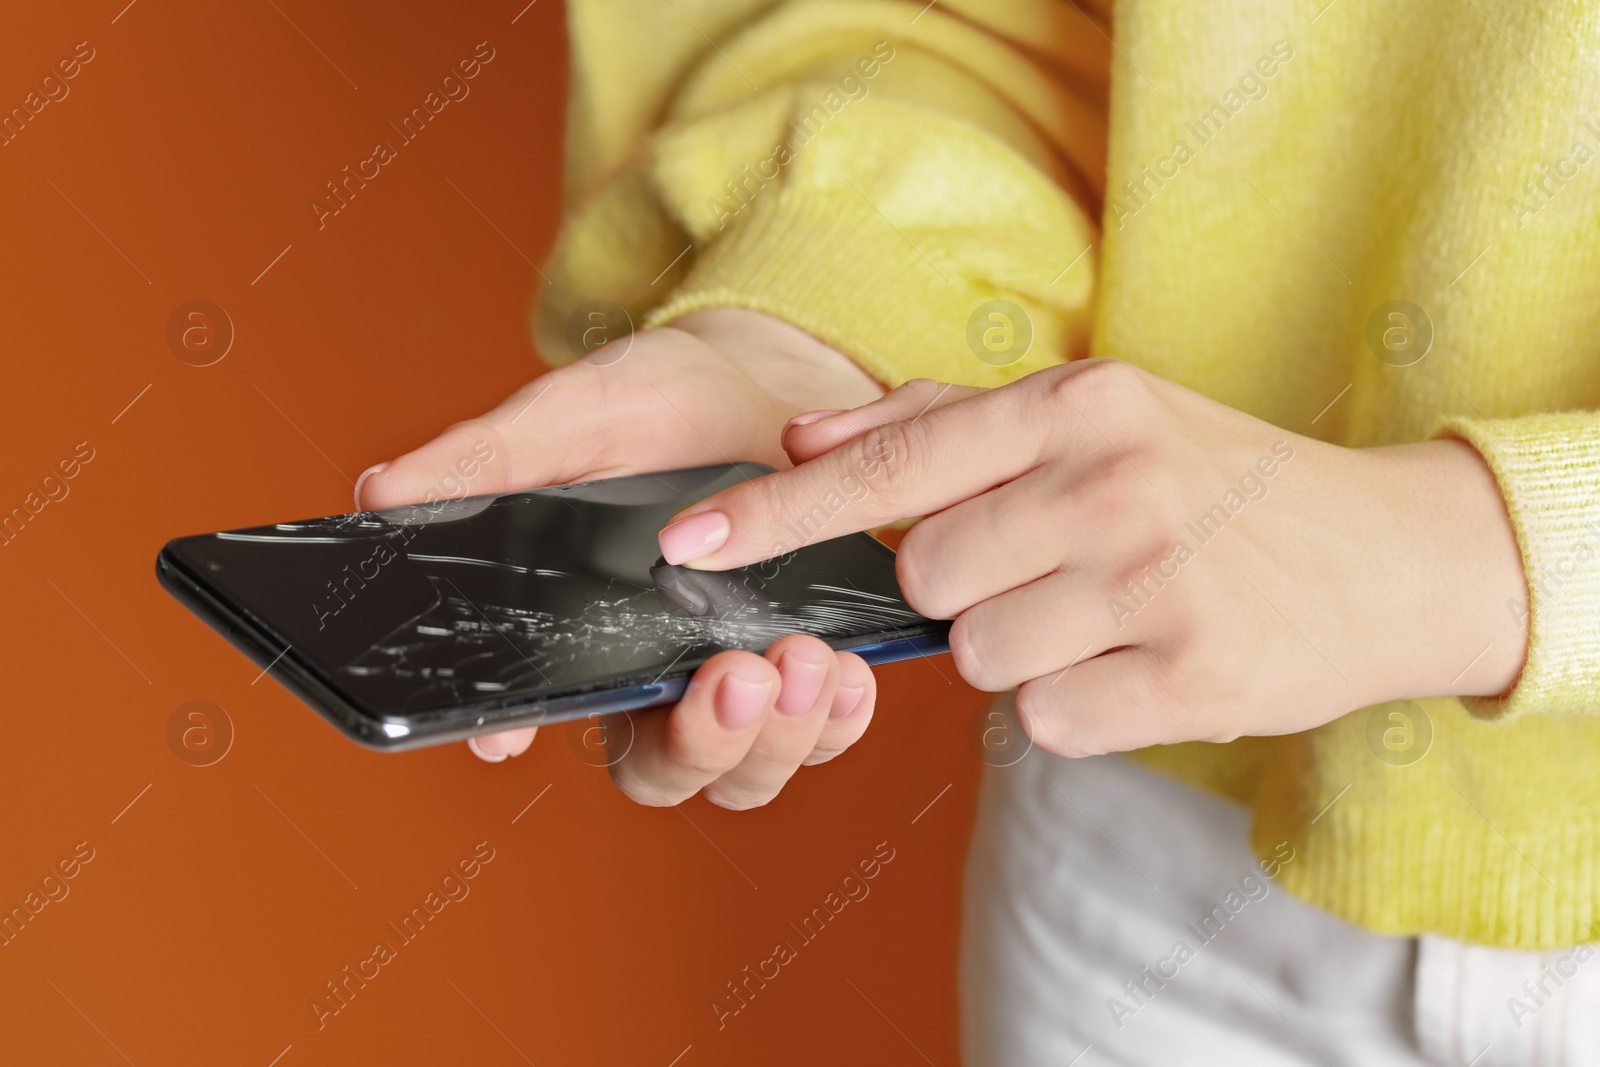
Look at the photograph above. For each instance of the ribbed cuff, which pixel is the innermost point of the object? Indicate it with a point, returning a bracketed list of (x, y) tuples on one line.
[(1404, 874), (1548, 468)]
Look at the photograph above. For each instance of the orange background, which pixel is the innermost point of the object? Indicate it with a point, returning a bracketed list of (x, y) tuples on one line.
[(217, 904)]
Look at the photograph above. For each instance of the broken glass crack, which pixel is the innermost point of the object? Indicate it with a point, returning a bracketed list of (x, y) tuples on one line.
[(463, 648)]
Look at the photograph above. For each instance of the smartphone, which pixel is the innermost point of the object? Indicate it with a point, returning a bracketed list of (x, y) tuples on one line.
[(430, 623)]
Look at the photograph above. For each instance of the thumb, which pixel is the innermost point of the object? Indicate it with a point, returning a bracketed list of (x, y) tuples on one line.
[(809, 435), (467, 459), (529, 440)]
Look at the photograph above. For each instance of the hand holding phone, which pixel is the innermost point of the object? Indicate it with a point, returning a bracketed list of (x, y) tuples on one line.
[(668, 398)]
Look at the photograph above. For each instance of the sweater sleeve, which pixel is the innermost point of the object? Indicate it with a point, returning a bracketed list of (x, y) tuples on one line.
[(912, 184), (1548, 467)]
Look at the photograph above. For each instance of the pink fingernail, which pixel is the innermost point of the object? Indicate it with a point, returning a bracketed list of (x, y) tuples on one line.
[(806, 418), (693, 537), (487, 757), (846, 700), (802, 683), (740, 701), (376, 468)]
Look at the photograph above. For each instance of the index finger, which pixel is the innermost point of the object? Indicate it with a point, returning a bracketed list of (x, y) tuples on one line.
[(889, 472)]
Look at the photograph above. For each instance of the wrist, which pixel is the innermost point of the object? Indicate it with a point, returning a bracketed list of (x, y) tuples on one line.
[(1455, 569), (796, 369)]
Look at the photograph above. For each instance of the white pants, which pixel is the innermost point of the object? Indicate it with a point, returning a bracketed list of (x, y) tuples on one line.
[(1086, 876)]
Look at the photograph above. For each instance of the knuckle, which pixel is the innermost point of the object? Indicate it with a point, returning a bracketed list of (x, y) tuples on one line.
[(693, 761), (1164, 515), (1097, 381), (839, 735), (917, 390), (1154, 561), (891, 451), (1107, 394), (1116, 494), (685, 755), (639, 790), (1106, 487), (485, 426), (824, 753), (916, 396), (736, 799)]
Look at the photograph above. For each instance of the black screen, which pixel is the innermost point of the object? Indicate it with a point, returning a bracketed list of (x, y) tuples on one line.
[(499, 600)]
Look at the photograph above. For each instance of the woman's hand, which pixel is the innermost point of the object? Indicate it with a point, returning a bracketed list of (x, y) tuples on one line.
[(717, 385), (1150, 566)]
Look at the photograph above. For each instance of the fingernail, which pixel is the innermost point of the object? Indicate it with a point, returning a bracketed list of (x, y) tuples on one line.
[(694, 537), (806, 418), (846, 700), (802, 683), (740, 701), (477, 750), (376, 468)]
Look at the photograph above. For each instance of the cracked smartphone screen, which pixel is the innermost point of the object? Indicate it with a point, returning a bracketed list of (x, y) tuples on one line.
[(521, 596)]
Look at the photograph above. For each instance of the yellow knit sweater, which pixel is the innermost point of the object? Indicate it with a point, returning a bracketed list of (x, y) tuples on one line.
[(1241, 199)]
